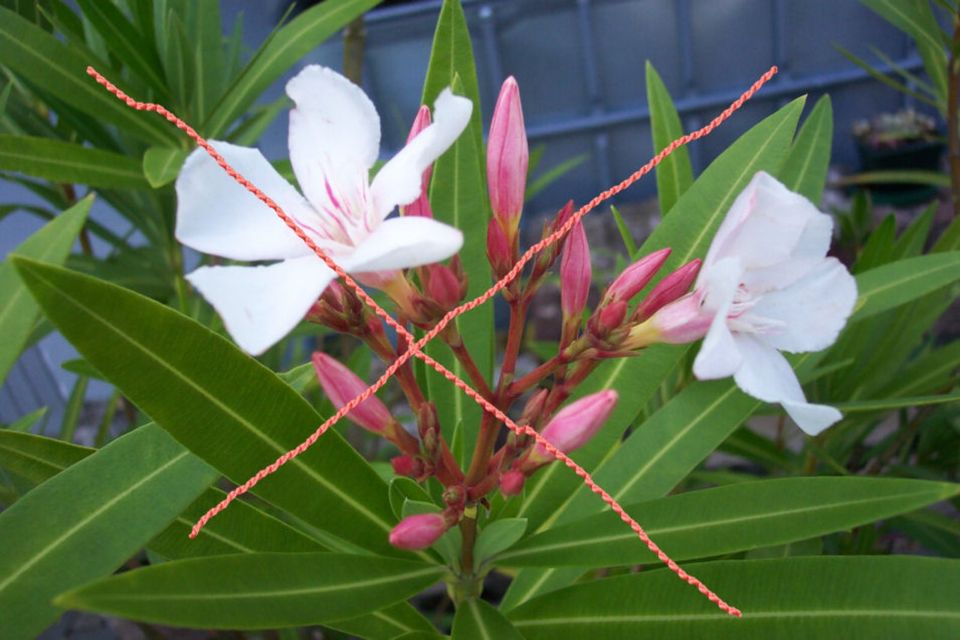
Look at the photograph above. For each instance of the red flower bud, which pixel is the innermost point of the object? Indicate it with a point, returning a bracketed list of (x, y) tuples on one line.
[(534, 407), (342, 385), (507, 157), (420, 206), (667, 290), (511, 482), (608, 318), (418, 532), (549, 254), (499, 249), (575, 272), (635, 277), (443, 286), (406, 465)]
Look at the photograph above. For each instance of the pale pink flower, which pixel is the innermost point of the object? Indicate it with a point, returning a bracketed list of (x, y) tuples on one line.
[(766, 286), (334, 141)]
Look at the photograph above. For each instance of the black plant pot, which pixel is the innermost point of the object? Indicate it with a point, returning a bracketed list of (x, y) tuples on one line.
[(921, 155)]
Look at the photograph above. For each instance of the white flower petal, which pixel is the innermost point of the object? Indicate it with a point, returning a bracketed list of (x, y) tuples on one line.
[(216, 215), (766, 375), (398, 181), (812, 418), (719, 356), (399, 243), (334, 136), (260, 305), (813, 309), (773, 228), (812, 246)]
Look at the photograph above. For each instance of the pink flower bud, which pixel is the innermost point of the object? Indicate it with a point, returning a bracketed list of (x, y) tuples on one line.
[(507, 157), (499, 249), (548, 255), (342, 385), (511, 482), (635, 277), (443, 286), (420, 206), (679, 322), (609, 318), (406, 465), (667, 290), (575, 424), (575, 272), (418, 532)]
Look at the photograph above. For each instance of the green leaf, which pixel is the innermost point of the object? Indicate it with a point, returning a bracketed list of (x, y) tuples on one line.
[(884, 78), (288, 47), (914, 238), (396, 619), (255, 590), (241, 529), (88, 520), (624, 230), (498, 536), (451, 55), (458, 196), (125, 41), (60, 69), (737, 517), (934, 530), (71, 414), (675, 173), (891, 404), (161, 165), (897, 283), (477, 620), (402, 489), (36, 458), (25, 423), (805, 169), (18, 311), (183, 375), (205, 31), (67, 162), (928, 373), (794, 598), (916, 19), (903, 176)]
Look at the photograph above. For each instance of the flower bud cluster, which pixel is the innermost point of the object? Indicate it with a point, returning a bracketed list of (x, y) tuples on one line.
[(425, 294)]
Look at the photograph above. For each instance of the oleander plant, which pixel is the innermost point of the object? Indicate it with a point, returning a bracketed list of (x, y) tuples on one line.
[(328, 433)]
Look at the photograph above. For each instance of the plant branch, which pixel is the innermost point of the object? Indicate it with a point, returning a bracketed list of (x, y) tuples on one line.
[(455, 342)]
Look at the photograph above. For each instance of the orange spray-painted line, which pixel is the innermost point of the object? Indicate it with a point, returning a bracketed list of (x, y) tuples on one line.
[(415, 348)]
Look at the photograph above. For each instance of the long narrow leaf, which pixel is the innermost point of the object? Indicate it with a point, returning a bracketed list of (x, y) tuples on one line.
[(88, 520), (183, 375), (18, 311), (739, 517), (797, 598), (256, 590)]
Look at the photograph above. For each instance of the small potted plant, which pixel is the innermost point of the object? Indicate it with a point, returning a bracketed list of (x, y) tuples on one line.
[(901, 141)]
